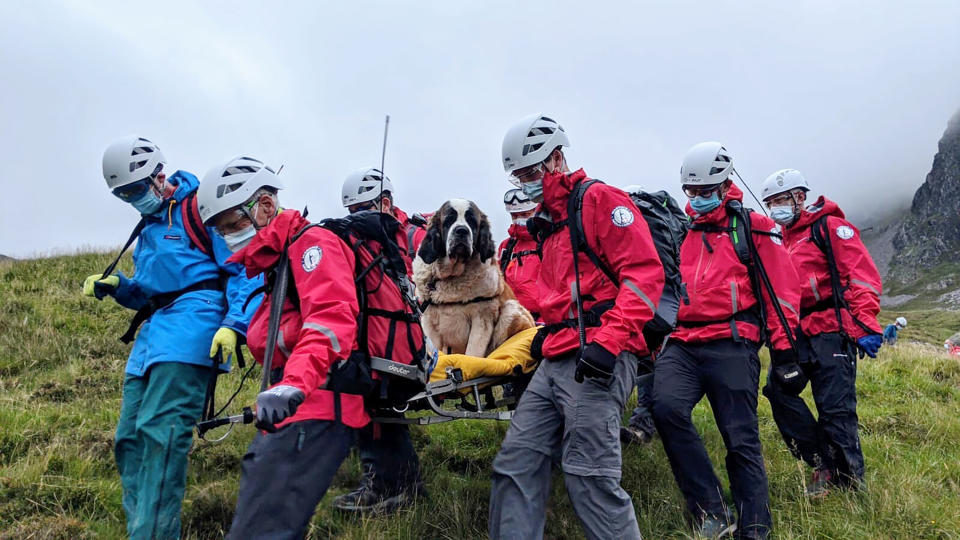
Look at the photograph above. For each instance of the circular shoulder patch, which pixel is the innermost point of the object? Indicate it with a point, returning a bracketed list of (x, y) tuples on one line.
[(621, 216), (844, 232), (776, 239), (311, 258)]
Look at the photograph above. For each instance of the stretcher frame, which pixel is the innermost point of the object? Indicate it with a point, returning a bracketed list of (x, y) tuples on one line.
[(451, 389)]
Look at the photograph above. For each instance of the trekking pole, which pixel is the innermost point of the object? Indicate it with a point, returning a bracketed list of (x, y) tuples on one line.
[(277, 297), (575, 247)]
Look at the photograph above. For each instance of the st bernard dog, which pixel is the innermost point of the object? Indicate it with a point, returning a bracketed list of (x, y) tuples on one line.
[(470, 309)]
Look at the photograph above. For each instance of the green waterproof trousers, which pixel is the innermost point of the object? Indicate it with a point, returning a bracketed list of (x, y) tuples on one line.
[(153, 437)]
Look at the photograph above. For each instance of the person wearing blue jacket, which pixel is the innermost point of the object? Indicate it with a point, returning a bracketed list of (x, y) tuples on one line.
[(190, 312)]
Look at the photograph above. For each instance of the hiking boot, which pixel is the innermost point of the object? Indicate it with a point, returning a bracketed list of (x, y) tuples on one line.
[(634, 435), (820, 484), (713, 527), (368, 500)]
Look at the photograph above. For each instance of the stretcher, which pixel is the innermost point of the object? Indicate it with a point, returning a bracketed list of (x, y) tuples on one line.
[(468, 387), (459, 387)]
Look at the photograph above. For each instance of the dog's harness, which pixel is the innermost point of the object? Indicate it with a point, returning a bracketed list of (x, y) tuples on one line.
[(428, 302)]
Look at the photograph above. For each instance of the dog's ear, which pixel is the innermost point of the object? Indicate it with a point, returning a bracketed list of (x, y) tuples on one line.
[(483, 243), (433, 246)]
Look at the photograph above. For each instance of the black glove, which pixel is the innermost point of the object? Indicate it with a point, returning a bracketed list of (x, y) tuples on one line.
[(276, 404), (536, 346), (787, 372), (595, 361)]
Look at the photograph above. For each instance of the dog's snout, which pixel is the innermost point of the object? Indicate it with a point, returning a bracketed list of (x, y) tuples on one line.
[(461, 230)]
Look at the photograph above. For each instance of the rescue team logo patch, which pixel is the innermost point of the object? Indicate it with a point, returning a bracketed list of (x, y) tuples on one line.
[(844, 232), (776, 239), (311, 258), (621, 216)]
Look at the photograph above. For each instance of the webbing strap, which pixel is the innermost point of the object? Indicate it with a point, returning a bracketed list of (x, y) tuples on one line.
[(133, 236), (160, 301)]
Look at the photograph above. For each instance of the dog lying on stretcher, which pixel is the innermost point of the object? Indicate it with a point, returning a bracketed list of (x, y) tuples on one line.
[(469, 308)]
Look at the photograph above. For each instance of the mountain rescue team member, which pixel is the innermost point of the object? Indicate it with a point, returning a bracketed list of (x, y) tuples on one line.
[(363, 190), (572, 407), (285, 473), (890, 332), (391, 468), (713, 350), (830, 443), (518, 254), (169, 366)]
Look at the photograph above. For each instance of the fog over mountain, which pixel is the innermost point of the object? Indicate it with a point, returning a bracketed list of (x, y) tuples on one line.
[(855, 95)]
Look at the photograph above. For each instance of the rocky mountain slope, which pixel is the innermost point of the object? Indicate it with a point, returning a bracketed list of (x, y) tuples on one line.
[(918, 252)]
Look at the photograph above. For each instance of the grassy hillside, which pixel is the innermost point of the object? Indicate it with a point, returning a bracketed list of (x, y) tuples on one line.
[(60, 376)]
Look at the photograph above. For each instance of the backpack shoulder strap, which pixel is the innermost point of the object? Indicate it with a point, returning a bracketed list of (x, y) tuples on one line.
[(575, 222), (199, 237), (507, 253)]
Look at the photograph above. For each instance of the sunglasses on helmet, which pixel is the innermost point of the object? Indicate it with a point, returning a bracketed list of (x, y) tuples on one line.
[(135, 190)]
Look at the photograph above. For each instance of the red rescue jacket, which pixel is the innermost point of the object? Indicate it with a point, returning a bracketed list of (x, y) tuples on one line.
[(324, 329), (616, 231), (523, 268), (860, 279), (716, 285), (409, 233)]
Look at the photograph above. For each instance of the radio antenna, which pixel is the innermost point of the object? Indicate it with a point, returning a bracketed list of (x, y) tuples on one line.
[(383, 153)]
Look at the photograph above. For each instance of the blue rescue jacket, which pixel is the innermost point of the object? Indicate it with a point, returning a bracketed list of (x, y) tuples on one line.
[(890, 333), (164, 262)]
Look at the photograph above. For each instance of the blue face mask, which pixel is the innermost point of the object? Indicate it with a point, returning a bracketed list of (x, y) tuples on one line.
[(702, 205), (533, 190), (782, 214), (149, 203)]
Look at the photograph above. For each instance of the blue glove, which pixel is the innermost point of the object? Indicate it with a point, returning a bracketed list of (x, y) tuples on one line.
[(870, 344)]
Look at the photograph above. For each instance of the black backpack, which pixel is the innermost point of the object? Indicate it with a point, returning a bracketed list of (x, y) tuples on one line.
[(668, 227)]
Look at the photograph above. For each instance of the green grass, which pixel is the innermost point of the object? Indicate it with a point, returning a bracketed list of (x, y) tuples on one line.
[(60, 377)]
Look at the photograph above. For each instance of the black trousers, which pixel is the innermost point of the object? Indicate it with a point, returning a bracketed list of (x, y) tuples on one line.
[(830, 441), (388, 456), (283, 477), (727, 372)]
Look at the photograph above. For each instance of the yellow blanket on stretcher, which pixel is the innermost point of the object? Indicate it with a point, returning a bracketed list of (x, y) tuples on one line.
[(502, 361)]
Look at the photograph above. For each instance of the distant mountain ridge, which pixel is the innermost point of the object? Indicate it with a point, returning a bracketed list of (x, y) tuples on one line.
[(919, 253)]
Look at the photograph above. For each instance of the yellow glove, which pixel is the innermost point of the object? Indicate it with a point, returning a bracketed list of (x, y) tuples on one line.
[(226, 340), (109, 282)]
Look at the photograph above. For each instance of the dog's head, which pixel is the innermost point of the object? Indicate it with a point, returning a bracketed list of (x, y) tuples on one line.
[(459, 230)]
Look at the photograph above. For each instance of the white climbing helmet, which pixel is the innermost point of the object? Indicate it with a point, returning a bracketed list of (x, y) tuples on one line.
[(232, 184), (530, 141), (634, 189), (705, 164), (783, 181), (131, 159), (363, 185), (902, 321), (515, 200)]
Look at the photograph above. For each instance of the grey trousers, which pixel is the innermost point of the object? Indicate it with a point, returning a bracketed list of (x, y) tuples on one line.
[(580, 423)]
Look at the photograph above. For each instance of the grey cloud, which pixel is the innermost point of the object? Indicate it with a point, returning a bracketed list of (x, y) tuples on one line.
[(854, 96)]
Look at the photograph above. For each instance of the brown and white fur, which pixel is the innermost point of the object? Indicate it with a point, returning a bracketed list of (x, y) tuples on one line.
[(471, 309)]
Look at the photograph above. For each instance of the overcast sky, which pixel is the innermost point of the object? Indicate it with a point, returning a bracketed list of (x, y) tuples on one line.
[(856, 96)]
